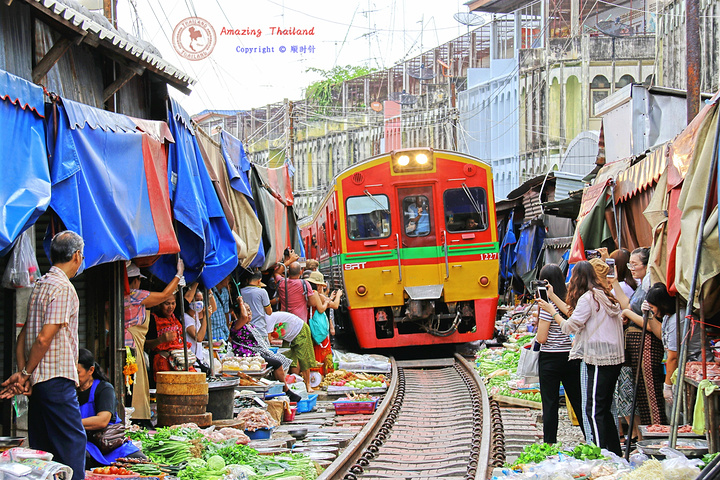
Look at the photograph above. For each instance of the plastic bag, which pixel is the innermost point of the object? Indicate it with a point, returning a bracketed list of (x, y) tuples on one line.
[(22, 269), (677, 466), (528, 363)]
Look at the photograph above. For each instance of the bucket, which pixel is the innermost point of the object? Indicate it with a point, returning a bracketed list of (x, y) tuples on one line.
[(221, 396)]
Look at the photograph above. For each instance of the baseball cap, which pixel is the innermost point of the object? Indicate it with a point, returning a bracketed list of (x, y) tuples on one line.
[(134, 271)]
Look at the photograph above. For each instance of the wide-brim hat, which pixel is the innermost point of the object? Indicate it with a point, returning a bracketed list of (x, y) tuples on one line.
[(317, 278)]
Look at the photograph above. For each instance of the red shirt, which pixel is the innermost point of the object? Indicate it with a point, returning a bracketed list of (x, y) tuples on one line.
[(298, 303)]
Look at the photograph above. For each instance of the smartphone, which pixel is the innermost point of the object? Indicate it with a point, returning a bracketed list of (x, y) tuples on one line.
[(542, 293), (611, 263), (590, 254)]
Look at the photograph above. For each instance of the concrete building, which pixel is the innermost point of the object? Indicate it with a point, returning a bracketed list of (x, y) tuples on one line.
[(570, 55)]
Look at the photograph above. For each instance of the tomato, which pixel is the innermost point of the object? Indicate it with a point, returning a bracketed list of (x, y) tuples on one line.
[(113, 470)]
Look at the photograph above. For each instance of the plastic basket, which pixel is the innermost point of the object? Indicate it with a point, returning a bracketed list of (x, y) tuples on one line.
[(344, 407), (259, 434), (308, 404)]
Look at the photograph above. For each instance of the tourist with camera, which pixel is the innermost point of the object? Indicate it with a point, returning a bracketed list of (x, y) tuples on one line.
[(554, 365)]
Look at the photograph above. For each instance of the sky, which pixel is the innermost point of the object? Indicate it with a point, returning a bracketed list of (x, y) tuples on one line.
[(237, 75)]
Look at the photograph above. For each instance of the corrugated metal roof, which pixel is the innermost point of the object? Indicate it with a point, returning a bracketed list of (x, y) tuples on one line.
[(90, 23)]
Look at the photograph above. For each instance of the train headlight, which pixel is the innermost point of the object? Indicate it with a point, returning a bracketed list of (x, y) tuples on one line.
[(361, 290), (410, 161), (484, 281)]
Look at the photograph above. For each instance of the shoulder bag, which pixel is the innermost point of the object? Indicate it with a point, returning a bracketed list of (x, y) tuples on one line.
[(109, 438)]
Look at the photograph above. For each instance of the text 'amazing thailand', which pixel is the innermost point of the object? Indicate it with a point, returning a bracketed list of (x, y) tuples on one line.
[(256, 32)]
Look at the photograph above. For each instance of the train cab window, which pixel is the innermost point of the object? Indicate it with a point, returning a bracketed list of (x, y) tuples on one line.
[(416, 215), (466, 209), (368, 217)]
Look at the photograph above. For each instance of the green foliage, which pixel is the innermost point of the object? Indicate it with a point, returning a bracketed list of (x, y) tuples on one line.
[(321, 92)]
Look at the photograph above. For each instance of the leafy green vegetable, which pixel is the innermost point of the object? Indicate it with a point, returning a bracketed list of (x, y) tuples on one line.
[(708, 457), (536, 453)]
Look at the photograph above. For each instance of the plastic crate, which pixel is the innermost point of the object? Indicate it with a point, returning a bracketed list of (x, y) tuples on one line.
[(308, 404), (348, 407), (259, 434)]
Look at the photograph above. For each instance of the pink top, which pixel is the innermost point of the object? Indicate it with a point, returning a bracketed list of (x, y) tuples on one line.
[(134, 312), (298, 301)]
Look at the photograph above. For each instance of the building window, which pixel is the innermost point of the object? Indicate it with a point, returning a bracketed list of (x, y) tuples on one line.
[(624, 80), (599, 89)]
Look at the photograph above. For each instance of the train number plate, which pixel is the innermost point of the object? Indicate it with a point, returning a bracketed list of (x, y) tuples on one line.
[(489, 256)]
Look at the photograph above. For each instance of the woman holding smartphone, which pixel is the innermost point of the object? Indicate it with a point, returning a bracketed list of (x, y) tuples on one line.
[(594, 319), (554, 365)]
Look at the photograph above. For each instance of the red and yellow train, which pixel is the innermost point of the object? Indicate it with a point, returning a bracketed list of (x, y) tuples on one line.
[(411, 237)]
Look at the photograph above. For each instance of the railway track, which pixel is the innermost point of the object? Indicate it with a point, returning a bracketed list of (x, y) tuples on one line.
[(434, 422)]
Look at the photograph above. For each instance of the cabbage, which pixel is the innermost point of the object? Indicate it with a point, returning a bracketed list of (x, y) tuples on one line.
[(216, 463)]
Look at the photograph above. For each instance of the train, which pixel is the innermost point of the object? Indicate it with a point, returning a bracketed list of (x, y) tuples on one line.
[(411, 237)]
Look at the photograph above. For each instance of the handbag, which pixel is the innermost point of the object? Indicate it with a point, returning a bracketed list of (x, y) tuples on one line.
[(319, 327), (109, 438), (528, 366)]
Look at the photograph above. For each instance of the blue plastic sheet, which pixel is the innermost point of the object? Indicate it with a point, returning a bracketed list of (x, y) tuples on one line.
[(206, 242), (100, 185), (238, 170), (528, 247), (507, 250), (25, 180)]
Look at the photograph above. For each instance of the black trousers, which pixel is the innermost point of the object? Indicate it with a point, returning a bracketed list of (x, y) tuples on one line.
[(601, 387), (554, 368)]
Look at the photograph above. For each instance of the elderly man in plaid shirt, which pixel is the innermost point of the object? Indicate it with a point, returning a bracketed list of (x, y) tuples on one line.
[(47, 354)]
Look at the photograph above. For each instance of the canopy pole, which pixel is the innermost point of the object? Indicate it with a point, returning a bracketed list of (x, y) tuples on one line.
[(211, 350), (693, 287), (646, 317)]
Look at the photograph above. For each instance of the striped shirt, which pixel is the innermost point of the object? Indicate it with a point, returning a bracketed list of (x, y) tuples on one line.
[(218, 318), (557, 341), (54, 301)]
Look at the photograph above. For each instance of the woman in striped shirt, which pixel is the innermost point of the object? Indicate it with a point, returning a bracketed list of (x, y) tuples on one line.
[(554, 365)]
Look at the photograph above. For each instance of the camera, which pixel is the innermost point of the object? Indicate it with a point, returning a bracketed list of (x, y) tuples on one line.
[(590, 254)]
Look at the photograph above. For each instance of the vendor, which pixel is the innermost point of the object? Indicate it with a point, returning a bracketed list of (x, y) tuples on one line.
[(245, 341), (98, 409), (165, 340), (196, 323), (136, 327)]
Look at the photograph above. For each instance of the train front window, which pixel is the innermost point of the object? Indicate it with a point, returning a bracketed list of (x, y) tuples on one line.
[(368, 217), (416, 213), (466, 209)]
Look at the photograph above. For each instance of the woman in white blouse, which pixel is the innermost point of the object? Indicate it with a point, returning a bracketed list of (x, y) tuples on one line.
[(594, 320)]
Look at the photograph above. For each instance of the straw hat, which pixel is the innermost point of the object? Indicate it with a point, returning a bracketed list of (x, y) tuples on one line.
[(317, 278), (601, 268)]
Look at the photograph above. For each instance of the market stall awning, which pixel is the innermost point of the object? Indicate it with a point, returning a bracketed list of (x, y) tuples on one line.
[(206, 242), (245, 224), (273, 197), (642, 175), (25, 182), (109, 184), (592, 230), (237, 166)]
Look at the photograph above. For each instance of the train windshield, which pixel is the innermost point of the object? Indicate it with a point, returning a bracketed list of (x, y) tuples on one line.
[(368, 217), (465, 209)]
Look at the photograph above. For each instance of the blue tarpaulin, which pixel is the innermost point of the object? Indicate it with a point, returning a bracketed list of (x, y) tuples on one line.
[(106, 184), (25, 180), (507, 250), (528, 247), (206, 242), (238, 170)]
